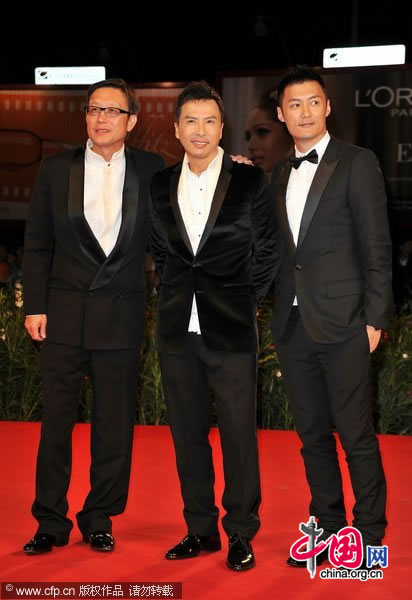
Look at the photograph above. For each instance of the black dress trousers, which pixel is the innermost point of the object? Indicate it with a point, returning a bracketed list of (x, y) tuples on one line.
[(328, 386), (186, 380), (114, 382)]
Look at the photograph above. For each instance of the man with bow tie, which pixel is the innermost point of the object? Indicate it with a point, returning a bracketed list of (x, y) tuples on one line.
[(84, 297), (332, 299)]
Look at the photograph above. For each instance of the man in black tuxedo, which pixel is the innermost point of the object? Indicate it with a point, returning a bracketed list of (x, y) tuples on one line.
[(332, 299), (214, 244), (84, 298)]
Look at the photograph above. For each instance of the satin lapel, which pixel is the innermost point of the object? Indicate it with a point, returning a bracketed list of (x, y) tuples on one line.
[(174, 183), (84, 235), (282, 186), (323, 173), (129, 211), (220, 192)]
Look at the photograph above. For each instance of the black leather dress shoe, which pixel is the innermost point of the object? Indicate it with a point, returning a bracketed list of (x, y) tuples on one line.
[(320, 558), (101, 541), (240, 556), (42, 543), (192, 544)]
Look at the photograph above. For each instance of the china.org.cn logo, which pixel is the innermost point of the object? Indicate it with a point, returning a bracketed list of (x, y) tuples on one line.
[(345, 553)]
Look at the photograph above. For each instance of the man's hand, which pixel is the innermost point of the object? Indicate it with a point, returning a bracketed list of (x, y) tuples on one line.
[(241, 159), (36, 327), (374, 336)]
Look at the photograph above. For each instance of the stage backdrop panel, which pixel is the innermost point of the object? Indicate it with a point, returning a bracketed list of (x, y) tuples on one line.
[(370, 108), (35, 123)]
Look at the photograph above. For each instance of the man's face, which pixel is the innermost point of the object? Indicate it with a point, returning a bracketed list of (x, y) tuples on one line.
[(304, 110), (108, 133), (199, 130)]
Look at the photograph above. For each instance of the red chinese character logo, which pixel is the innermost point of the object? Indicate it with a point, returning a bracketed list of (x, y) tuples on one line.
[(345, 549), (298, 554)]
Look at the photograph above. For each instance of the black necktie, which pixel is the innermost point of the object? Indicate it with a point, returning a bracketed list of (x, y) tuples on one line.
[(311, 157)]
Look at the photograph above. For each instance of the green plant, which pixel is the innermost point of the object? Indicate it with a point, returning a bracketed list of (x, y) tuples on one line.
[(273, 406), (20, 383), (151, 403), (392, 378)]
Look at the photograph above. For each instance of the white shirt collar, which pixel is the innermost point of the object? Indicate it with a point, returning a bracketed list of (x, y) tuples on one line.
[(320, 147), (97, 159), (216, 163)]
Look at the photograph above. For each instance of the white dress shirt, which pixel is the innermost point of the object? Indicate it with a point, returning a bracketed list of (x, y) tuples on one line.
[(103, 195), (195, 195), (299, 184)]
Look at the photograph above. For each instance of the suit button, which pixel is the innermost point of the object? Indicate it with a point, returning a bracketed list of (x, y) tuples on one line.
[(298, 267), (195, 265)]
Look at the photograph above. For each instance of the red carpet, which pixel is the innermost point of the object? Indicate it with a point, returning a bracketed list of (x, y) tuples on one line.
[(153, 522)]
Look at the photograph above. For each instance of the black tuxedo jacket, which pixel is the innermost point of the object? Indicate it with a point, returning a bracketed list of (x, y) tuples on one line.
[(340, 270), (232, 268), (91, 300)]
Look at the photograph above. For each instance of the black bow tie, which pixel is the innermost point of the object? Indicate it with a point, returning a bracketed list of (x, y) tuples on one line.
[(311, 157)]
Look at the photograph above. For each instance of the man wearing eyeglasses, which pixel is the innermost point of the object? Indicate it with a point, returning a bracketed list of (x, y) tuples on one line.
[(84, 284)]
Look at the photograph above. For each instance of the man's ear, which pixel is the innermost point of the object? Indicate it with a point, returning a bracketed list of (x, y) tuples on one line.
[(131, 122), (280, 114)]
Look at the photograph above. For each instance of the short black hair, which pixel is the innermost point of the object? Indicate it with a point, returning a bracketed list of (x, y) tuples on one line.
[(119, 84), (299, 74), (198, 90)]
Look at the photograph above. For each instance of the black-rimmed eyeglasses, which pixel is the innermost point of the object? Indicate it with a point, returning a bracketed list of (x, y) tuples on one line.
[(109, 111)]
